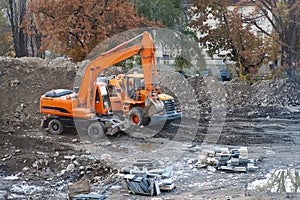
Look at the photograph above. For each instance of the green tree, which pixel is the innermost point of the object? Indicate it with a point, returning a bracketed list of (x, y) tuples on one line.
[(169, 12), (181, 63)]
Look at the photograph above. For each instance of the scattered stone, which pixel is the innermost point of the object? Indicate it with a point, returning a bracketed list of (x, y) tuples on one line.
[(70, 157), (75, 162), (3, 194), (75, 140), (11, 178), (25, 169), (17, 151), (56, 154), (70, 167)]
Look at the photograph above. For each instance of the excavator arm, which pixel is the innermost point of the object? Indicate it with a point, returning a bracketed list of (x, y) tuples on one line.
[(113, 56)]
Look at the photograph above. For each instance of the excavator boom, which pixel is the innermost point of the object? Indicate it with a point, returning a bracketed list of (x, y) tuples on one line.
[(111, 57)]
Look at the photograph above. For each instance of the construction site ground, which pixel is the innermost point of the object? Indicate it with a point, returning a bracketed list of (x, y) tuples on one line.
[(262, 116)]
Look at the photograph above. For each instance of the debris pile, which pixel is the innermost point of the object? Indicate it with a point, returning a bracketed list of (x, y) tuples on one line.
[(23, 81), (279, 93), (142, 178), (233, 160)]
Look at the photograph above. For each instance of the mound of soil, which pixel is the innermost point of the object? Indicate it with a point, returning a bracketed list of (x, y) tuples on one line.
[(263, 98), (23, 81)]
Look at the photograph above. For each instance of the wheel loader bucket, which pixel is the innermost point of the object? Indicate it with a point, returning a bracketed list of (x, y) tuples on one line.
[(153, 106)]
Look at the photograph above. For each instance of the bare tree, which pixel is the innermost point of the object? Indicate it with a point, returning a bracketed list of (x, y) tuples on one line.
[(16, 10)]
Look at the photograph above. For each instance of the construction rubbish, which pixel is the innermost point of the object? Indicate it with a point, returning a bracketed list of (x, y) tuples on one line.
[(141, 185), (229, 160), (81, 191), (151, 182)]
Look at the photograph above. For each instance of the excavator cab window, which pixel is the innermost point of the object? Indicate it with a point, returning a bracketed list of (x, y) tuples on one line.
[(105, 97), (140, 84), (133, 85)]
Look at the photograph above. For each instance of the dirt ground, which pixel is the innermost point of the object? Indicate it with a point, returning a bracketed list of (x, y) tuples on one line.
[(36, 165)]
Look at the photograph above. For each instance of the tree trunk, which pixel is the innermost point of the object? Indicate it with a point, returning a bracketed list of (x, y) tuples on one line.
[(16, 12)]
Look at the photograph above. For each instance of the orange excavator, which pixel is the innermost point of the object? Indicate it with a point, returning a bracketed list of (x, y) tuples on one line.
[(92, 103)]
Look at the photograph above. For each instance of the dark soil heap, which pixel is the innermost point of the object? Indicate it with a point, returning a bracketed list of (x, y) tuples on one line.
[(23, 81)]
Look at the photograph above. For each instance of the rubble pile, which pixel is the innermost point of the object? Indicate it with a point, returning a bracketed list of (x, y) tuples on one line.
[(238, 93), (263, 98), (201, 90), (233, 160), (279, 93), (145, 179), (23, 81)]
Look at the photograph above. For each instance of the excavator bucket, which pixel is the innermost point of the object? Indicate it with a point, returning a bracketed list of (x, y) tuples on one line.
[(153, 106)]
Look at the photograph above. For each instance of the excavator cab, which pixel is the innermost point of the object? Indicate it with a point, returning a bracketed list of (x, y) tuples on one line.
[(102, 101), (135, 87)]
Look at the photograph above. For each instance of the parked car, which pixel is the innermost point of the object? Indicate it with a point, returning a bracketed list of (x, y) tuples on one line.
[(182, 73), (205, 72), (225, 75)]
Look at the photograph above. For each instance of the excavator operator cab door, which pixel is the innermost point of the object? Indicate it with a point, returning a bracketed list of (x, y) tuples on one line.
[(102, 102)]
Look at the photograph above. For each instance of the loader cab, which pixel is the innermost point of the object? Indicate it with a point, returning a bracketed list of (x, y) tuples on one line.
[(135, 86), (102, 101)]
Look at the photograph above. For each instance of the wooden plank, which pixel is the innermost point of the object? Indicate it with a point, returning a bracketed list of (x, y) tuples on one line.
[(80, 187)]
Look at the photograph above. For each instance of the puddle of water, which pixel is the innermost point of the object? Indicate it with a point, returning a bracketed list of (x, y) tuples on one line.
[(284, 180)]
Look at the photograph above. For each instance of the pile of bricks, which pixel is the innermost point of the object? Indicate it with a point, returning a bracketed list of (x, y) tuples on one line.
[(231, 160)]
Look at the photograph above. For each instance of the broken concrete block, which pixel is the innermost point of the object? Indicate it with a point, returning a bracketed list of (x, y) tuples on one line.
[(251, 167), (212, 161), (234, 161), (202, 158), (200, 165), (224, 151), (81, 187), (226, 168), (208, 153), (235, 153), (243, 162), (138, 172), (144, 163), (243, 152), (240, 169), (210, 168), (167, 172), (167, 185)]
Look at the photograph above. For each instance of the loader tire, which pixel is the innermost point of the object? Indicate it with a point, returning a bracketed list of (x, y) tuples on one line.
[(96, 130), (55, 127), (135, 116)]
